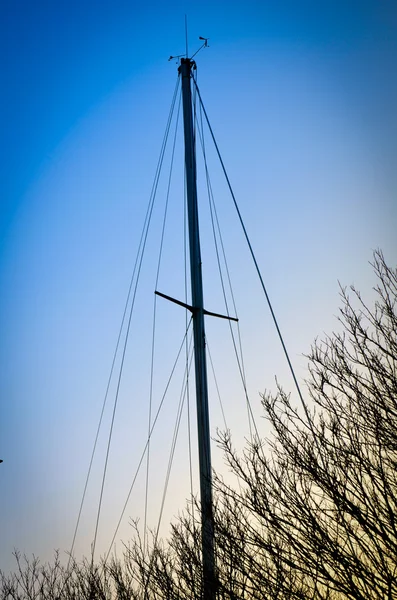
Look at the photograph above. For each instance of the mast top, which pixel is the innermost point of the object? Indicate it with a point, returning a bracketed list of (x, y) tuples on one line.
[(187, 65)]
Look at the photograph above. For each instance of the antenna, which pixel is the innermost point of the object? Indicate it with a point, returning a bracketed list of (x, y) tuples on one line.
[(186, 37), (186, 55), (178, 56)]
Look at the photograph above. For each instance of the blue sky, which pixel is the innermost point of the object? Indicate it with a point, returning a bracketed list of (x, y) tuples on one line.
[(302, 99)]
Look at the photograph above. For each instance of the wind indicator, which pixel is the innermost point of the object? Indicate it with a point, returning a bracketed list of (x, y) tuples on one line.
[(179, 56)]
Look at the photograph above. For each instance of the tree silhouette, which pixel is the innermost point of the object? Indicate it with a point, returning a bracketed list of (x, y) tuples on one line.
[(320, 508), (314, 515)]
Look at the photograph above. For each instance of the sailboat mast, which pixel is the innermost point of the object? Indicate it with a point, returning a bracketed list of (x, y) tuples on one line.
[(207, 518)]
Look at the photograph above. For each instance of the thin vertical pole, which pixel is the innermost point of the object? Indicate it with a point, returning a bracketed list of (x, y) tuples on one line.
[(207, 517), (187, 49)]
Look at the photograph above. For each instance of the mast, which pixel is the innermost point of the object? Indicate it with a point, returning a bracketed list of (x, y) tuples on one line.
[(207, 517)]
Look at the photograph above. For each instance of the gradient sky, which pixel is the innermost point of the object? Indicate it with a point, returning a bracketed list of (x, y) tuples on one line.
[(302, 97)]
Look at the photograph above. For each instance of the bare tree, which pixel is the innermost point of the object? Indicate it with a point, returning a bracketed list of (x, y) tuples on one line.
[(314, 516), (323, 504)]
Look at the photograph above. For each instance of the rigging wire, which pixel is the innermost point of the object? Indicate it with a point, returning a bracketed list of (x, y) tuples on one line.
[(154, 317), (186, 343), (138, 265), (220, 400), (100, 423), (182, 399), (117, 345), (216, 383), (280, 336), (183, 395), (147, 441), (213, 211)]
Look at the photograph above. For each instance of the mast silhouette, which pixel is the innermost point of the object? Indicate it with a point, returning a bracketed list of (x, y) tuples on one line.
[(207, 516)]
